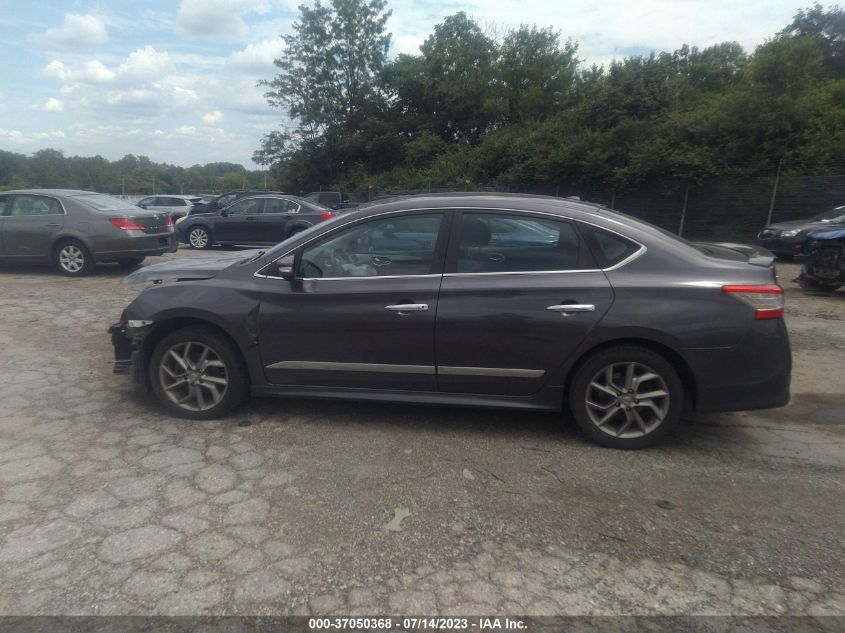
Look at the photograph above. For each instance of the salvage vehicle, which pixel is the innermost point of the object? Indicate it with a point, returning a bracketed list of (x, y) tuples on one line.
[(823, 261), (425, 300), (263, 219), (786, 238), (74, 230)]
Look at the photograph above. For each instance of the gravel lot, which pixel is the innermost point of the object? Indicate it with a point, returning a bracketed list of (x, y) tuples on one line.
[(108, 506)]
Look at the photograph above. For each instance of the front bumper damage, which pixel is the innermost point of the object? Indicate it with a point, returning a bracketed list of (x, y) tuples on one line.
[(127, 338)]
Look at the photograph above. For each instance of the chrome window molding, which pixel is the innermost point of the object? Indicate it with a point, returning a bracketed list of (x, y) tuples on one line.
[(641, 251)]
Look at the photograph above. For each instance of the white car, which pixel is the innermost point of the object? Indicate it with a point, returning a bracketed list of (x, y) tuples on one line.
[(176, 206)]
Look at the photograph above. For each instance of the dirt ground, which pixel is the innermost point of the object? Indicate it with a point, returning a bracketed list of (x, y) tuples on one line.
[(109, 506)]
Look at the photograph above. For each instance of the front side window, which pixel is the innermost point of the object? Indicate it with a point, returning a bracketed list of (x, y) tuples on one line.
[(244, 207), (279, 205), (34, 205), (3, 201), (390, 246), (222, 201), (499, 243)]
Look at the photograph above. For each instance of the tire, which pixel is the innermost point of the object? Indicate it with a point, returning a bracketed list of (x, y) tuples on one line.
[(131, 263), (73, 259), (615, 417), (202, 398), (199, 237), (808, 283)]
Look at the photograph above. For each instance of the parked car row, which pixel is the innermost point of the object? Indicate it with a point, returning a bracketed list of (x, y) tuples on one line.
[(75, 230)]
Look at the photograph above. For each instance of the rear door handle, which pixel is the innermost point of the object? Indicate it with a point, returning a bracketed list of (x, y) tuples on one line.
[(408, 307), (573, 307)]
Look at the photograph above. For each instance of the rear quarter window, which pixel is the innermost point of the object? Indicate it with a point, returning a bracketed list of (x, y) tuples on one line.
[(607, 248)]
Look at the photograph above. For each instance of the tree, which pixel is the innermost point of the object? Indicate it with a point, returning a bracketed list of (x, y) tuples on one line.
[(328, 70), (828, 27)]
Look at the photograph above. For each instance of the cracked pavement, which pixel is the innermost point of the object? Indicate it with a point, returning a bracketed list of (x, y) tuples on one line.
[(109, 506)]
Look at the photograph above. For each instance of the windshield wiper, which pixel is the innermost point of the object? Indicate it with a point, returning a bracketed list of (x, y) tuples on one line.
[(258, 255)]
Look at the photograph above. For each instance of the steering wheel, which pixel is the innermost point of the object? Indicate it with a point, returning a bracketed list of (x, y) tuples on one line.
[(340, 257)]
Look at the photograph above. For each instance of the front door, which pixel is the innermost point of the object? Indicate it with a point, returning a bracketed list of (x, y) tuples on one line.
[(30, 225), (361, 311), (518, 296), (240, 224)]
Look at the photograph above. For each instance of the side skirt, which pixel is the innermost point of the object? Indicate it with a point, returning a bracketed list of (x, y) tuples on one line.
[(548, 399)]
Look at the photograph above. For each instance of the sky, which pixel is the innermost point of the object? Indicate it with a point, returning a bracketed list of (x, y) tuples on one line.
[(177, 80)]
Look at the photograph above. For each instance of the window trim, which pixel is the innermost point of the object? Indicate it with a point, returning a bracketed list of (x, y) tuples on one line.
[(450, 218), (288, 200)]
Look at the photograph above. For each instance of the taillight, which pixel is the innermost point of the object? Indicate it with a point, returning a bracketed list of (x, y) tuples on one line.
[(126, 224), (326, 216), (767, 300), (169, 222)]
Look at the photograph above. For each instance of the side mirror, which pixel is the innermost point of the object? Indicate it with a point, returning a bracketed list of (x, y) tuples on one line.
[(143, 206), (284, 267), (223, 213)]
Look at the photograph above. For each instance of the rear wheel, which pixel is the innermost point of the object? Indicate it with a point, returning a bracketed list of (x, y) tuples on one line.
[(72, 258), (197, 373), (199, 237), (626, 397)]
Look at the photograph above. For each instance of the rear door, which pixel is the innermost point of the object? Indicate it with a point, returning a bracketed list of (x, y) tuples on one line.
[(276, 217), (519, 294), (31, 223), (4, 199), (240, 222)]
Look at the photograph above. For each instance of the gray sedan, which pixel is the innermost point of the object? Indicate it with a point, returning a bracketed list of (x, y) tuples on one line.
[(73, 230)]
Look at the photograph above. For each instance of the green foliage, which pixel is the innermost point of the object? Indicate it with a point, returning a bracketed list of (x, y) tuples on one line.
[(474, 110), (50, 168)]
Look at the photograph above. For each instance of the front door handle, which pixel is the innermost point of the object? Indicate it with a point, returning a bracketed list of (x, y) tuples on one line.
[(572, 307), (408, 307)]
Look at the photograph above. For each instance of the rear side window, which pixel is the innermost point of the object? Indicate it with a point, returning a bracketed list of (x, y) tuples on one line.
[(279, 205), (35, 205), (494, 243), (608, 248), (3, 201)]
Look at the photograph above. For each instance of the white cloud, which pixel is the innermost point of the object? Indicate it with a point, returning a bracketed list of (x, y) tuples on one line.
[(53, 105), (77, 31), (256, 59), (21, 137), (216, 18), (212, 118), (48, 136), (144, 64), (92, 72)]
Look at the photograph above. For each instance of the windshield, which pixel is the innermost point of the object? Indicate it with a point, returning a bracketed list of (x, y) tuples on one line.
[(283, 245), (102, 202), (834, 215)]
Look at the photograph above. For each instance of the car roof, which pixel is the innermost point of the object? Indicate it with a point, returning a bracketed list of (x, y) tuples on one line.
[(484, 200), (55, 192)]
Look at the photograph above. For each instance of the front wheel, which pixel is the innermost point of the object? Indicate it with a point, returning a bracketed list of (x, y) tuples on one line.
[(73, 259), (197, 373), (199, 237), (626, 397)]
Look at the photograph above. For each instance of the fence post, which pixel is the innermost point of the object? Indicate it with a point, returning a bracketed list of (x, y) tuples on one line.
[(683, 212), (774, 194)]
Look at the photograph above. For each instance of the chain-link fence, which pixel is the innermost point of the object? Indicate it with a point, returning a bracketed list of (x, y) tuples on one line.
[(723, 209)]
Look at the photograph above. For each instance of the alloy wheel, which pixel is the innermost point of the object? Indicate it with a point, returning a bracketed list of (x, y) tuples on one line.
[(628, 399), (193, 376), (198, 238), (71, 258)]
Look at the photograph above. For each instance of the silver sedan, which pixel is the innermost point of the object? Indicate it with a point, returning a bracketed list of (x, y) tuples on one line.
[(74, 230)]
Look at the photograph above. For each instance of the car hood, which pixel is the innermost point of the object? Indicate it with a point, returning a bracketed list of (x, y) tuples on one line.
[(186, 268), (802, 225), (828, 234)]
